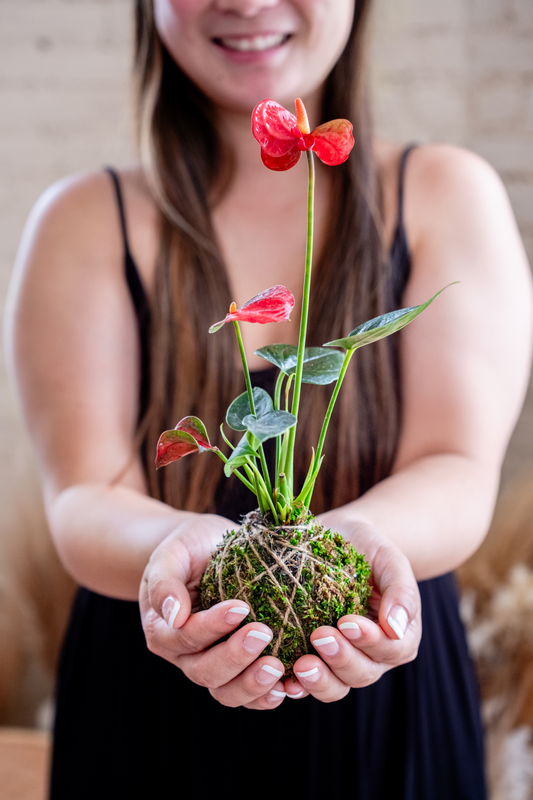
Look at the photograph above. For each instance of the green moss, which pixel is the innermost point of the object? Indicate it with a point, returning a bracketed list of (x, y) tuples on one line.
[(294, 580)]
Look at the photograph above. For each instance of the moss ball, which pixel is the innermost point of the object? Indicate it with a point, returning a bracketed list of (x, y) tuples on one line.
[(295, 578)]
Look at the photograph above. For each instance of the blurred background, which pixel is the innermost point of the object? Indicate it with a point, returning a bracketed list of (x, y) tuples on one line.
[(459, 71)]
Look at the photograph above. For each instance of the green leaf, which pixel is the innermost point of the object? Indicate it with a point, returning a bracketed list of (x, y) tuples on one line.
[(283, 356), (240, 408), (240, 456), (270, 425), (320, 366), (380, 327)]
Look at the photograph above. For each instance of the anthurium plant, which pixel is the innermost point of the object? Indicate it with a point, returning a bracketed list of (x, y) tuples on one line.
[(294, 574), (283, 137)]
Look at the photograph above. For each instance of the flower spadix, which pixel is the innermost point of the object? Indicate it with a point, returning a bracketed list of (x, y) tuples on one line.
[(283, 136), (272, 305)]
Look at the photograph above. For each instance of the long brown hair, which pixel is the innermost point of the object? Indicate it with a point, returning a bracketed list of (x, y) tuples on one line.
[(182, 154)]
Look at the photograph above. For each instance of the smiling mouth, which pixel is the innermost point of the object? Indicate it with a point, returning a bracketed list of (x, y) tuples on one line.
[(253, 44)]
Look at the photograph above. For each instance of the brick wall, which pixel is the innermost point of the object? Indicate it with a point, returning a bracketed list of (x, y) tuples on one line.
[(462, 71), (459, 71)]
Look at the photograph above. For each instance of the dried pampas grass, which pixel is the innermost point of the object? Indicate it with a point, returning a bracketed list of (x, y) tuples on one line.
[(497, 607)]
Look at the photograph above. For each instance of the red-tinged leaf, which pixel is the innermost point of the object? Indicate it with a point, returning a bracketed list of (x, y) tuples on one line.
[(333, 141), (283, 162), (197, 430), (275, 128), (272, 305), (173, 445), (189, 436)]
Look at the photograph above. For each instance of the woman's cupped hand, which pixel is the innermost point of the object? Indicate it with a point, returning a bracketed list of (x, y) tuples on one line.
[(353, 654)]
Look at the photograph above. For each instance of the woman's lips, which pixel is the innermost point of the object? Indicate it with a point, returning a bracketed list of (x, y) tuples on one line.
[(252, 44)]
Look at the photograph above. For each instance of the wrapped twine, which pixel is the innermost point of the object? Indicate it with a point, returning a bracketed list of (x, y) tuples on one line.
[(295, 578)]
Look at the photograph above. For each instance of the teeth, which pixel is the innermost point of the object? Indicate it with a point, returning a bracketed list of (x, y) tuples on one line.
[(255, 43)]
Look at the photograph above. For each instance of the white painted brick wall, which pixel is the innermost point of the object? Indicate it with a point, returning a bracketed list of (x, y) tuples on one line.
[(463, 72), (459, 71)]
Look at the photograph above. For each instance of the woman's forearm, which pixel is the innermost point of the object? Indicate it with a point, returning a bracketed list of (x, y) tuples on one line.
[(436, 510), (105, 535)]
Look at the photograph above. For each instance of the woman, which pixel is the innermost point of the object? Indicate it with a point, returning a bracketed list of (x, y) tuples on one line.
[(104, 364)]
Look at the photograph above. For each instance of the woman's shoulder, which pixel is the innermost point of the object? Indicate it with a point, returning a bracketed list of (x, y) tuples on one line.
[(451, 191), (441, 182), (435, 161), (77, 221)]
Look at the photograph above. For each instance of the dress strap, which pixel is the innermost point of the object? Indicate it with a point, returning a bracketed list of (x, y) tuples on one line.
[(138, 296), (401, 182), (120, 205), (400, 258)]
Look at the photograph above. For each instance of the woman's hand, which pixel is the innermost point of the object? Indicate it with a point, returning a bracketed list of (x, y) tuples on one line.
[(361, 649), (354, 655), (231, 669)]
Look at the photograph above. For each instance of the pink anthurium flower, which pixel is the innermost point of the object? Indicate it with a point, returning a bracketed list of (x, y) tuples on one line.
[(189, 436), (283, 136), (272, 305)]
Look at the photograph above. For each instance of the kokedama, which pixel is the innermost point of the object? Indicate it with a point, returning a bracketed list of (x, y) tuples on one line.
[(294, 575)]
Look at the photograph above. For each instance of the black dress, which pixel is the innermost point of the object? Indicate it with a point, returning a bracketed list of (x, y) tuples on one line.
[(130, 725)]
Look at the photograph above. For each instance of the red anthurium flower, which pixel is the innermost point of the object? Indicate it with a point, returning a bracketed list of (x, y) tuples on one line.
[(283, 136), (272, 305), (189, 436)]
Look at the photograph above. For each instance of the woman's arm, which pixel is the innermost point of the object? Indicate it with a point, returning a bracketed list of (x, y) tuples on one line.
[(72, 344), (465, 364)]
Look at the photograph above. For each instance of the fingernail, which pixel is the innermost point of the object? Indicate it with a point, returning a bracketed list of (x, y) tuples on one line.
[(264, 675), (310, 676), (398, 620), (170, 610), (273, 695), (255, 641), (328, 645), (295, 696), (351, 630), (236, 613)]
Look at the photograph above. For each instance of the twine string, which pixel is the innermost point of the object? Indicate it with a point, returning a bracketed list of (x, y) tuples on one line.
[(285, 619), (286, 565)]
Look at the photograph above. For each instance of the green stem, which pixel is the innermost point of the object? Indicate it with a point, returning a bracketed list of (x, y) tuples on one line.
[(331, 406), (277, 401), (277, 391), (264, 492), (236, 472), (247, 378), (250, 391), (288, 466)]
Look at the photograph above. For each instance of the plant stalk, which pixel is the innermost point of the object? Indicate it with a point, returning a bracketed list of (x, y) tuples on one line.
[(331, 406), (288, 466), (250, 391)]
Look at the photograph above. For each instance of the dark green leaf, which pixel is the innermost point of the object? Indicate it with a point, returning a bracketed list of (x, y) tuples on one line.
[(270, 425), (283, 356), (240, 408), (380, 327), (241, 455), (320, 366)]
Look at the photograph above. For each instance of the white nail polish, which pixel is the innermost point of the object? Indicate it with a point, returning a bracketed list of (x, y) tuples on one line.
[(239, 610), (398, 620), (295, 696), (271, 671), (170, 610), (349, 626), (325, 640), (265, 637), (308, 673), (278, 694)]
